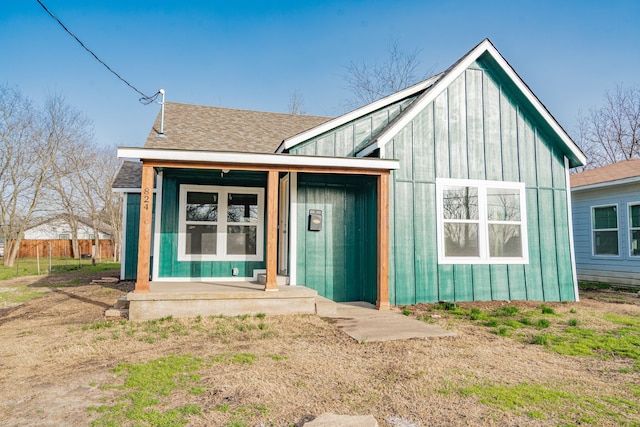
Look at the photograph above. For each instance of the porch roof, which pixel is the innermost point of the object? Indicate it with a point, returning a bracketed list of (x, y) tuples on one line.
[(257, 161)]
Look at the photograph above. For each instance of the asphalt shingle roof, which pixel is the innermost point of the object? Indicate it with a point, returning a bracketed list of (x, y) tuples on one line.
[(613, 172), (197, 127), (129, 175)]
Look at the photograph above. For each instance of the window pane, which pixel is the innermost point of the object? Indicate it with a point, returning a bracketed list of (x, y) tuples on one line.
[(202, 206), (242, 208), (461, 240), (634, 216), (503, 204), (505, 241), (460, 203), (202, 239), (635, 243), (606, 242), (241, 239), (605, 217)]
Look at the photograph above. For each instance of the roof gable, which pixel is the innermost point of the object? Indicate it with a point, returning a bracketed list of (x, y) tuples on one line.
[(356, 114), (197, 127), (488, 53)]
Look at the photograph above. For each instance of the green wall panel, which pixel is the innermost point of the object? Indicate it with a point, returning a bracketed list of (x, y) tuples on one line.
[(463, 282), (338, 261), (446, 288), (404, 252), (565, 275), (533, 275), (500, 282), (492, 136), (475, 122), (426, 252), (517, 282), (548, 257), (458, 165), (481, 282), (132, 233)]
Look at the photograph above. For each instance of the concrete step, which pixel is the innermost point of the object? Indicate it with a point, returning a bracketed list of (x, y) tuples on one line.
[(121, 302), (282, 280), (325, 307), (117, 313)]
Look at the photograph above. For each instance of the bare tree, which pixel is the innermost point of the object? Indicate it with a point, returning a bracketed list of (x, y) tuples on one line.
[(611, 133), (368, 83), (296, 103), (31, 140)]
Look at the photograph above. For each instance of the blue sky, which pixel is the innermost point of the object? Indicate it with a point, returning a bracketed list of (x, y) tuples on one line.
[(255, 54)]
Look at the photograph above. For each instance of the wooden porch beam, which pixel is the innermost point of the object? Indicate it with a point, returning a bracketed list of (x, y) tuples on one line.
[(263, 168), (272, 231), (144, 240), (383, 242)]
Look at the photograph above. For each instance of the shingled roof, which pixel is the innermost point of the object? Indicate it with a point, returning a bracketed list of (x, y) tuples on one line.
[(607, 174), (197, 127), (129, 175)]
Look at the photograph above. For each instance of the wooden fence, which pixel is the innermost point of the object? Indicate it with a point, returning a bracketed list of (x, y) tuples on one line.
[(64, 248)]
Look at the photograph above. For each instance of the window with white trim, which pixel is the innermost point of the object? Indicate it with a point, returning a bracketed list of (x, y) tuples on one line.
[(481, 222), (221, 223), (634, 230), (604, 229)]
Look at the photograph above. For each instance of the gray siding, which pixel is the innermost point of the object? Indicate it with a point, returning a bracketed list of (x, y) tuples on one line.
[(624, 268)]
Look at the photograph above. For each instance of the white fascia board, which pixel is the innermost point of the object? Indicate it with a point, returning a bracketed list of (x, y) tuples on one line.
[(631, 180), (362, 111), (446, 80), (128, 190), (231, 158)]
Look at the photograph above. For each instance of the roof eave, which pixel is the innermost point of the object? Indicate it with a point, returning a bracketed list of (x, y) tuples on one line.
[(268, 160), (631, 180)]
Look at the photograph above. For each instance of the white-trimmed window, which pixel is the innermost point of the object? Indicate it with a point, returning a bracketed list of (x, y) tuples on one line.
[(481, 222), (604, 230), (64, 236), (634, 229), (221, 223)]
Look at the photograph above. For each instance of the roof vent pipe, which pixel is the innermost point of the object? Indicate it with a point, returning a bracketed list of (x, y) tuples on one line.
[(161, 133)]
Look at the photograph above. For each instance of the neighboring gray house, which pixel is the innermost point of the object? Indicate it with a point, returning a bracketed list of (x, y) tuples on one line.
[(606, 223)]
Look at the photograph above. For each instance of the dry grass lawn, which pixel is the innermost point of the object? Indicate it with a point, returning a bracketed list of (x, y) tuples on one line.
[(63, 364)]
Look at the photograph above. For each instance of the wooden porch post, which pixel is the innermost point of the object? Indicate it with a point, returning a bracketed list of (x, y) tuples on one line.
[(383, 242), (272, 231), (144, 239)]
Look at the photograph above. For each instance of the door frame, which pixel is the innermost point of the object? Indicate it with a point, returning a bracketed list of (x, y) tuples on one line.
[(283, 225)]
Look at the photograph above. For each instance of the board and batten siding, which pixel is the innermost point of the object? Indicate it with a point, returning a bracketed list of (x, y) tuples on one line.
[(338, 261), (349, 138), (132, 233), (169, 266), (622, 269), (477, 129)]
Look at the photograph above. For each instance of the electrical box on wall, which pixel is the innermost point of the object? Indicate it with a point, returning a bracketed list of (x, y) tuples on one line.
[(315, 220)]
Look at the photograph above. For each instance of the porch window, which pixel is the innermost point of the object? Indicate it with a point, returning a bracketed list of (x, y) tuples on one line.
[(634, 230), (481, 222), (604, 225), (221, 223)]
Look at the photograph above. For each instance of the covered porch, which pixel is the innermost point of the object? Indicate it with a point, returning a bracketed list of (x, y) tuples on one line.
[(202, 296)]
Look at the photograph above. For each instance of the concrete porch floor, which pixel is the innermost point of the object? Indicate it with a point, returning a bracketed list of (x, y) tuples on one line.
[(190, 299)]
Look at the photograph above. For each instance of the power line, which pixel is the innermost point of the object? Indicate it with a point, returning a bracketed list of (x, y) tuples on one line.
[(145, 98)]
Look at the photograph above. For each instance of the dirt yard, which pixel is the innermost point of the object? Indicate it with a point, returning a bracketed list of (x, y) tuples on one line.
[(58, 355)]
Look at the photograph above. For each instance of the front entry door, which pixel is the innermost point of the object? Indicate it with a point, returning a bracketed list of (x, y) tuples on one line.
[(283, 226)]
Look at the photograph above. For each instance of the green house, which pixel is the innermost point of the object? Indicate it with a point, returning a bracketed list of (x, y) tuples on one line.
[(453, 189)]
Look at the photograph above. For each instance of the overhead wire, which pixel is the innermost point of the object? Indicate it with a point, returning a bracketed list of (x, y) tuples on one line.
[(145, 98)]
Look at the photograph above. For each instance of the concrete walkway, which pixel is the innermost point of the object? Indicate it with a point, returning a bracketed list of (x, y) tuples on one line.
[(363, 322)]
